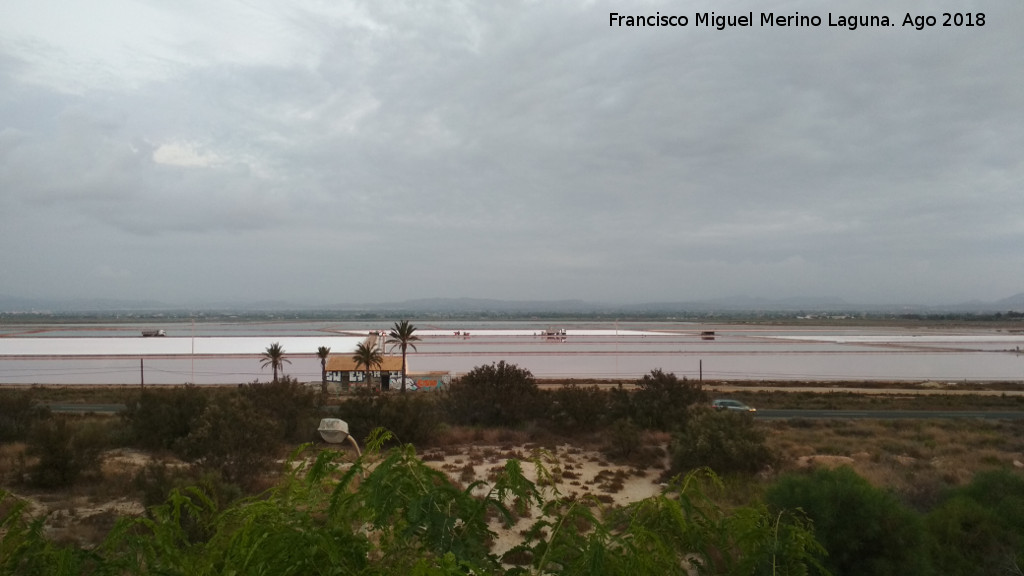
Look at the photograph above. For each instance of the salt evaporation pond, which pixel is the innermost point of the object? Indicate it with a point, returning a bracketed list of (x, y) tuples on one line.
[(226, 353)]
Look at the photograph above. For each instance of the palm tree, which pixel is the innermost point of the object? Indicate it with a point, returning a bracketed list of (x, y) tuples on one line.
[(368, 356), (322, 353), (274, 357), (402, 336)]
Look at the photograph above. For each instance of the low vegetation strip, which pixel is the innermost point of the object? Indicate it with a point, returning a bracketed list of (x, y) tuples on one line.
[(210, 471)]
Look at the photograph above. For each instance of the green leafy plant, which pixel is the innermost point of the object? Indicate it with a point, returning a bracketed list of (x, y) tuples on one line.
[(403, 335), (25, 550), (493, 395), (160, 419), (18, 411), (370, 358), (386, 512), (235, 437), (413, 418), (681, 531), (274, 357), (727, 442), (623, 439), (662, 401), (574, 409), (323, 353), (290, 407), (978, 529), (865, 530), (64, 451)]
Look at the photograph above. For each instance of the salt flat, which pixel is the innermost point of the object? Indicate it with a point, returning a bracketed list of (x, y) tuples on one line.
[(173, 346)]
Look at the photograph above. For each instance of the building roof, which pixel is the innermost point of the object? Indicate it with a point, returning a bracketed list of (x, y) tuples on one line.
[(345, 363)]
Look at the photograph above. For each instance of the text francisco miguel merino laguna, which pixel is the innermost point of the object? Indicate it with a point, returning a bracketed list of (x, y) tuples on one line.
[(851, 22)]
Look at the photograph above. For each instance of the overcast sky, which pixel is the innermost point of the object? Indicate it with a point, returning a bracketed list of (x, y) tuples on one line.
[(326, 151)]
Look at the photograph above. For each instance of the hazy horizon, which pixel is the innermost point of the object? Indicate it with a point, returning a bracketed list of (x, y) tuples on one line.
[(489, 305)]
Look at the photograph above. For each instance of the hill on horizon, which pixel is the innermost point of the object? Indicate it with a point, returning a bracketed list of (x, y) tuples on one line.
[(468, 305)]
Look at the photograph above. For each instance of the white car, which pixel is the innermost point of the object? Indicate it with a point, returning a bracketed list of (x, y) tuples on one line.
[(734, 405)]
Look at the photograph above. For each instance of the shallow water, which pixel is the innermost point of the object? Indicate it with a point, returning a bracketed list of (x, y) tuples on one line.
[(221, 353)]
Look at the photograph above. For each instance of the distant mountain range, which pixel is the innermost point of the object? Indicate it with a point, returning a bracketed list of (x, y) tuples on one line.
[(484, 306)]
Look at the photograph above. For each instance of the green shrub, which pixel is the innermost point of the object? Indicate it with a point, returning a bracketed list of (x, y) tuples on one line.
[(162, 418), (291, 406), (157, 480), (25, 550), (18, 411), (235, 438), (979, 529), (412, 418), (389, 513), (361, 410), (623, 439), (575, 409), (64, 451), (727, 442), (496, 395), (160, 483), (865, 530), (662, 401), (680, 532)]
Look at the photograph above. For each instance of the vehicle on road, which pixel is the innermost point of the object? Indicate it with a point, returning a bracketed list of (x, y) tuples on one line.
[(733, 405)]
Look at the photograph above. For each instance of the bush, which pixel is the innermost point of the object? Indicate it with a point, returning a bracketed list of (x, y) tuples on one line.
[(64, 451), (361, 411), (575, 409), (25, 549), (865, 530), (390, 513), (159, 482), (412, 418), (290, 405), (497, 395), (623, 439), (17, 413), (979, 529), (727, 442), (661, 400), (161, 419), (234, 438)]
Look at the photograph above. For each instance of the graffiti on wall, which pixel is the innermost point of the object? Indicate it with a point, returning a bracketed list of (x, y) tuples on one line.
[(427, 382)]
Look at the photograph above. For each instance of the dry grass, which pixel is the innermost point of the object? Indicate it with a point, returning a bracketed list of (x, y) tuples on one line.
[(11, 459), (85, 513), (917, 459), (461, 436)]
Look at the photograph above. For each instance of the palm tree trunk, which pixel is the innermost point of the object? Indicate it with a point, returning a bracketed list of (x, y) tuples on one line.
[(403, 369), (323, 380)]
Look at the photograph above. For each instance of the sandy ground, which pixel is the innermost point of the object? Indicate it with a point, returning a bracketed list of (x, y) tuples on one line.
[(577, 473)]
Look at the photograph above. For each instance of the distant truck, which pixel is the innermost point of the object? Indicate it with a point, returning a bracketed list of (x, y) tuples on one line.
[(148, 333)]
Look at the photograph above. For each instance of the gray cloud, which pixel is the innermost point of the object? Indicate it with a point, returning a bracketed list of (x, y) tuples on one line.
[(363, 152)]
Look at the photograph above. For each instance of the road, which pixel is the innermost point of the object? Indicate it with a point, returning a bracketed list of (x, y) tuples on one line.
[(71, 408), (890, 414), (765, 414)]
